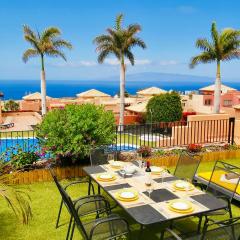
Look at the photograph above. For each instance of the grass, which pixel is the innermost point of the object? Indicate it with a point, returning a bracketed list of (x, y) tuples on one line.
[(45, 204), (130, 140)]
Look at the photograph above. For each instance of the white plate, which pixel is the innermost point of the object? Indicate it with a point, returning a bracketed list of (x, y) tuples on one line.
[(129, 169), (127, 195), (180, 205), (156, 169), (106, 176), (116, 164), (182, 184)]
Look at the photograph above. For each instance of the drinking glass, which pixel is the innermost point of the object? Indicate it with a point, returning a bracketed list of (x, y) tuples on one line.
[(163, 174), (149, 188), (139, 159), (110, 157), (189, 186)]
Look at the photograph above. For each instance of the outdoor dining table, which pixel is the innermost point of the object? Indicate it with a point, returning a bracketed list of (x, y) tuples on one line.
[(153, 208)]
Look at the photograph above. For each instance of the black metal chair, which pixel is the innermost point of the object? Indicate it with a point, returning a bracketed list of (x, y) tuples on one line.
[(224, 230), (187, 166), (85, 215), (99, 155), (87, 186), (216, 188)]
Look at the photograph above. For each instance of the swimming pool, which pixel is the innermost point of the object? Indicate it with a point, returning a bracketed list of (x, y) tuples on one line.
[(27, 144), (32, 144)]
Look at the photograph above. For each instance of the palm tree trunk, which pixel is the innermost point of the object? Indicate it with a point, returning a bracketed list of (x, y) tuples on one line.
[(122, 96), (217, 90), (43, 88)]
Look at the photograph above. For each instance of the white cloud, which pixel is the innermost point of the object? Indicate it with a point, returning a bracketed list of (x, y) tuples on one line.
[(168, 62), (76, 64), (115, 61)]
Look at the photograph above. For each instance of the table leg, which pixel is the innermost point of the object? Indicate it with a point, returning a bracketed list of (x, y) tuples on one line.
[(89, 185), (99, 189), (140, 231)]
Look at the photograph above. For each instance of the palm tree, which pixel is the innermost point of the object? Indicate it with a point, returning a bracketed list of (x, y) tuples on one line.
[(44, 44), (223, 47), (119, 42)]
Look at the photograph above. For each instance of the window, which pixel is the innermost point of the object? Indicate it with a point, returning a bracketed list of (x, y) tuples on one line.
[(227, 103), (208, 102)]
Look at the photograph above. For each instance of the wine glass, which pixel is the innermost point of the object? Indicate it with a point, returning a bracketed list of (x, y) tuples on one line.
[(110, 157), (188, 186), (149, 187), (139, 159), (163, 174)]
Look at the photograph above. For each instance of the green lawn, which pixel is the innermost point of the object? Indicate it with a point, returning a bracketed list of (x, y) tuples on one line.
[(134, 140), (45, 203)]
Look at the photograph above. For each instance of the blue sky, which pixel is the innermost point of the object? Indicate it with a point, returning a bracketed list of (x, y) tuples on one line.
[(170, 28)]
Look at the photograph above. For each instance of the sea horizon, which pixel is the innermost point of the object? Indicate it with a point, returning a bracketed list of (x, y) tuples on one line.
[(16, 89)]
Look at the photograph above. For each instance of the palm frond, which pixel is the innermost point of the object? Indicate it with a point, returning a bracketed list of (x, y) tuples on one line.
[(130, 56), (56, 53), (28, 31), (204, 57), (50, 32), (134, 28), (118, 22), (29, 53), (18, 200), (59, 43), (204, 44), (102, 39), (132, 42), (234, 54), (214, 33)]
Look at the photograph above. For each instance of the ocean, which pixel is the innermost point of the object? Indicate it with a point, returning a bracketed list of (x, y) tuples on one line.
[(16, 89)]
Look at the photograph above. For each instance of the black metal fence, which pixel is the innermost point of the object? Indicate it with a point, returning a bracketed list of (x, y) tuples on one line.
[(170, 134), (156, 135)]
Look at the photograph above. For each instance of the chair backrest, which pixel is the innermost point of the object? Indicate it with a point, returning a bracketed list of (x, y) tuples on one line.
[(227, 230), (68, 203), (187, 166), (98, 156), (220, 183), (113, 228)]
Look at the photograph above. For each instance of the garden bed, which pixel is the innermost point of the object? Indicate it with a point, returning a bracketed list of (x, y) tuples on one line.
[(42, 175), (171, 160)]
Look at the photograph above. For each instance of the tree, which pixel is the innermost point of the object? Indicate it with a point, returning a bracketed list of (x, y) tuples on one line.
[(223, 47), (48, 43), (11, 105), (72, 131), (164, 108), (119, 42)]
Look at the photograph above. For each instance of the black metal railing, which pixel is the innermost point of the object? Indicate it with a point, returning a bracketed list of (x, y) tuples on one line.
[(155, 135), (171, 134)]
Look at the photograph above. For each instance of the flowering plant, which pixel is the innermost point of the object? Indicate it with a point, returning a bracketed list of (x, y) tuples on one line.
[(145, 151), (194, 148)]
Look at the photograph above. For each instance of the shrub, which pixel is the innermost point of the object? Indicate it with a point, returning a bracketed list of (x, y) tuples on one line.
[(194, 148), (11, 105), (70, 132), (145, 151), (20, 158), (164, 108)]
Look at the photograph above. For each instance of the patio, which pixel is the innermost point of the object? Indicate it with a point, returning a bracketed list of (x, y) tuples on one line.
[(45, 203)]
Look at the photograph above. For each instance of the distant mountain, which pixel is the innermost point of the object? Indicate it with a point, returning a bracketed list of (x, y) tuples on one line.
[(164, 77), (170, 81)]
